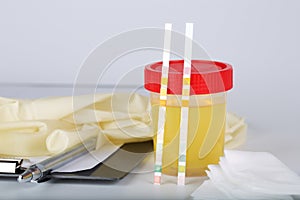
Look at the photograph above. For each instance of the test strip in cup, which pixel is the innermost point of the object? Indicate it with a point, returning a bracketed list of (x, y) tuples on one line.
[(185, 98), (162, 106)]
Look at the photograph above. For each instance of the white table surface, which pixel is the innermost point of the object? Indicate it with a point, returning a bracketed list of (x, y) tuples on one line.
[(281, 140)]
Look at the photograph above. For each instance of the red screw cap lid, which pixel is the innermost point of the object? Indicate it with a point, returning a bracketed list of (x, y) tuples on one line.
[(207, 77)]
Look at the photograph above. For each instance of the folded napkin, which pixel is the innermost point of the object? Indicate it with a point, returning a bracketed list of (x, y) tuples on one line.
[(249, 175), (41, 127)]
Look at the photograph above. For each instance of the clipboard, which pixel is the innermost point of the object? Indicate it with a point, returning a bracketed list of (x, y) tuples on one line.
[(112, 169)]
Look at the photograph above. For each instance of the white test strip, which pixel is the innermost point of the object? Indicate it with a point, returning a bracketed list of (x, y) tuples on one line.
[(185, 98), (162, 105)]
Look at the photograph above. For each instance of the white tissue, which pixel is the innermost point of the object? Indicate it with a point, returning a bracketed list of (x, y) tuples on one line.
[(209, 191), (249, 175)]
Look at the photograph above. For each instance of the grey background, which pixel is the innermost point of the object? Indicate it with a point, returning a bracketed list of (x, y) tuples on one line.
[(43, 44), (46, 41)]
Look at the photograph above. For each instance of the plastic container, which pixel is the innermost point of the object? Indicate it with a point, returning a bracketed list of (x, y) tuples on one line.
[(207, 112)]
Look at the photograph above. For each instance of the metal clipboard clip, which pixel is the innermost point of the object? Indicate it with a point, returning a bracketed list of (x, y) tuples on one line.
[(10, 165)]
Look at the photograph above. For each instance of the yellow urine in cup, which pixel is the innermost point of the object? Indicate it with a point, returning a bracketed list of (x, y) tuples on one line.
[(205, 137)]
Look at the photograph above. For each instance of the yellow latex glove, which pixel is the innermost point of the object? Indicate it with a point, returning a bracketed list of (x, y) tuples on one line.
[(45, 126)]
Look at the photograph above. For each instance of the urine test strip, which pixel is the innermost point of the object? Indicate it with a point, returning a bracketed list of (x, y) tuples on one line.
[(185, 98), (162, 104)]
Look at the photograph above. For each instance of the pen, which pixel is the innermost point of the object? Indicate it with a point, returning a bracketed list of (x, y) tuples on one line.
[(40, 170)]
